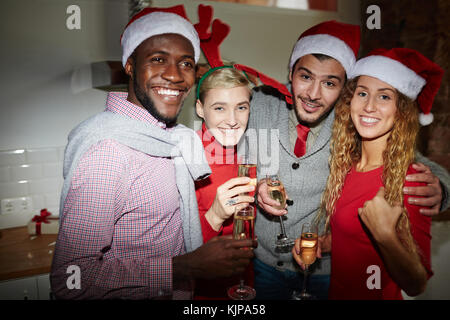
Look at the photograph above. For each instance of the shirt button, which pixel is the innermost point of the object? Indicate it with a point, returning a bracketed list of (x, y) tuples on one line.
[(289, 202), (280, 263), (295, 165)]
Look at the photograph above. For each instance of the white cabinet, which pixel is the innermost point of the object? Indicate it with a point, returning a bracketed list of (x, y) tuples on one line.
[(31, 288)]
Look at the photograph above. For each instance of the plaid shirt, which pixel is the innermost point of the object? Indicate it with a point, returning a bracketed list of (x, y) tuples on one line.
[(121, 222)]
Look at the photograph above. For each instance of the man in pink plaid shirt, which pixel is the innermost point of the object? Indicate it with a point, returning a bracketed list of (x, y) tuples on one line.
[(127, 222)]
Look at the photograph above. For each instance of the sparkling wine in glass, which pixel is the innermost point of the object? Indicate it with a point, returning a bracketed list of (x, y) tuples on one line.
[(247, 169), (276, 191), (308, 249), (243, 228)]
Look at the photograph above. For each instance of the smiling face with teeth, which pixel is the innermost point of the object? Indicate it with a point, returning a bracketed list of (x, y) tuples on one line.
[(225, 112), (316, 85), (373, 108), (162, 73)]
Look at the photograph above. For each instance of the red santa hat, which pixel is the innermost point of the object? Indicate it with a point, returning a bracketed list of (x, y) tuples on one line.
[(335, 39), (408, 71), (155, 21)]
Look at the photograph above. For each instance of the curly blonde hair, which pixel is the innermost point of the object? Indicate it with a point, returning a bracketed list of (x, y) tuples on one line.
[(397, 157)]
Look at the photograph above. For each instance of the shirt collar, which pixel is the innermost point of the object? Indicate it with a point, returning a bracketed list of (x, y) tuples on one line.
[(117, 102), (294, 120)]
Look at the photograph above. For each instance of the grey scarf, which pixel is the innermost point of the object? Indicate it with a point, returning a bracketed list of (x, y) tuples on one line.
[(181, 144)]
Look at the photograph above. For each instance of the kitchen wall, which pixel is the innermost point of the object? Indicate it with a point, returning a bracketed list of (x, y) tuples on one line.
[(33, 178), (45, 92), (41, 101)]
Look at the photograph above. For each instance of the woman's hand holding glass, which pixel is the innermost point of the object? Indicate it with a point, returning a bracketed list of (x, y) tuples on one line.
[(307, 254), (323, 246), (229, 197)]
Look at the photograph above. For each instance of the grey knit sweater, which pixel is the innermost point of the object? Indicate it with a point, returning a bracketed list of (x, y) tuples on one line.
[(304, 178)]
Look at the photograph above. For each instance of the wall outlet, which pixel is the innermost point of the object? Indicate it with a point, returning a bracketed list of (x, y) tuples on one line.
[(19, 205)]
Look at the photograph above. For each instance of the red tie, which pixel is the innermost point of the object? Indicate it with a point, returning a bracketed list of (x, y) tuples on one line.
[(300, 144)]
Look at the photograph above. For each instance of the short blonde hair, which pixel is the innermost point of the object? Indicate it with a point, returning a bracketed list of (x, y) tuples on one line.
[(225, 78)]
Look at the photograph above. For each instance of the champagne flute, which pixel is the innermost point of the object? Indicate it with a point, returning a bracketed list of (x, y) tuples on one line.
[(277, 192), (308, 250), (243, 228), (247, 169)]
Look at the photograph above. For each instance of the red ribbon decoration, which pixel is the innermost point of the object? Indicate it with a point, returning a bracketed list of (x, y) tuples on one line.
[(41, 218)]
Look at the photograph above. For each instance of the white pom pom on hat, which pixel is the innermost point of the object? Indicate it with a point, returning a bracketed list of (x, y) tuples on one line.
[(425, 119), (156, 21), (408, 71)]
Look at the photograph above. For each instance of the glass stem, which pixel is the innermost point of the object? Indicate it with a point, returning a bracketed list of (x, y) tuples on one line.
[(241, 283), (305, 277), (283, 231)]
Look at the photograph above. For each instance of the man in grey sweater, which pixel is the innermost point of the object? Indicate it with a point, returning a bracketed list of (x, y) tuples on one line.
[(319, 63)]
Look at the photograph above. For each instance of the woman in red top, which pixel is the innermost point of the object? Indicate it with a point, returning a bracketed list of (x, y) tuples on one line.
[(224, 105), (380, 244)]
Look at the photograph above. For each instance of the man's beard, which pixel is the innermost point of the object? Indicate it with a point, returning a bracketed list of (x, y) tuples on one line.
[(148, 104), (316, 121)]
